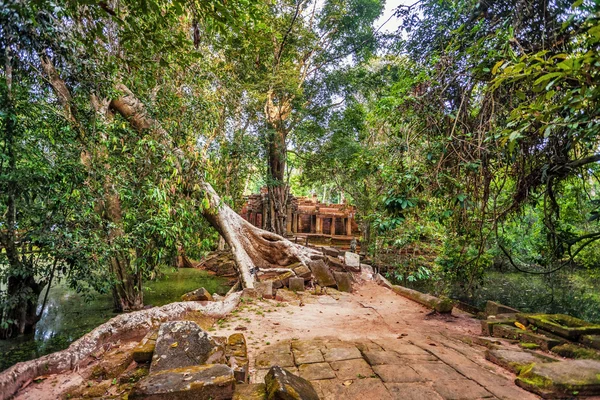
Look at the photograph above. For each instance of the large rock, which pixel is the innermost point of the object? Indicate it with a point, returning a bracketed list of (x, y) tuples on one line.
[(344, 281), (322, 274), (296, 284), (201, 382), (264, 289), (183, 344), (283, 385), (302, 271), (197, 295), (352, 261)]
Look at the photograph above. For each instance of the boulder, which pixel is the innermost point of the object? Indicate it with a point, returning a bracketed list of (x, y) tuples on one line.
[(202, 382), (335, 263), (264, 289), (344, 281), (197, 295), (330, 251), (183, 344), (296, 284), (142, 353), (322, 274), (283, 385)]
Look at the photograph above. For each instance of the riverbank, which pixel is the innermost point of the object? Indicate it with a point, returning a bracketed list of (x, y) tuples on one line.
[(70, 315)]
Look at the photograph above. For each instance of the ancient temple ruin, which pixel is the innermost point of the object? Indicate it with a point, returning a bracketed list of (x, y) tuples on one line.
[(306, 216)]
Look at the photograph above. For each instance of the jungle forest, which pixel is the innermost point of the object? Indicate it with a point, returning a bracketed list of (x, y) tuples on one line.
[(146, 146)]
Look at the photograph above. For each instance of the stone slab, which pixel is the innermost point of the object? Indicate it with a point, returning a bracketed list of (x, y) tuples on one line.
[(143, 352), (202, 382), (562, 379), (560, 324), (269, 359), (351, 259), (464, 389), (363, 389), (436, 372), (250, 391), (507, 332), (264, 289), (352, 369), (307, 355), (341, 353), (316, 371), (487, 325), (412, 391), (515, 360), (591, 340), (383, 357), (183, 344), (397, 374)]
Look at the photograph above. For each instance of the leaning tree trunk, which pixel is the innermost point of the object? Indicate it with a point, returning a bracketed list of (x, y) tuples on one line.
[(278, 190), (254, 249)]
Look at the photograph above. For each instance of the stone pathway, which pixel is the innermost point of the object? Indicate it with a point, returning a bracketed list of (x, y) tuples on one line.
[(372, 344)]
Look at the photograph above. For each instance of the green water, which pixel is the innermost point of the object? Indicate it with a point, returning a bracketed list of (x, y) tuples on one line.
[(575, 293), (68, 316)]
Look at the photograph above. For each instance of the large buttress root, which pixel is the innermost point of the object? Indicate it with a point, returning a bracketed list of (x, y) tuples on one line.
[(252, 247)]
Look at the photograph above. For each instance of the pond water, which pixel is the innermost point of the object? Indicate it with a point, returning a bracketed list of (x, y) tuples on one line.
[(68, 316), (575, 293)]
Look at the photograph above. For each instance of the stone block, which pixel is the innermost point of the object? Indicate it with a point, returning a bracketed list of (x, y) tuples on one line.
[(367, 269), (515, 360), (383, 357), (563, 379), (303, 271), (562, 325), (321, 273), (203, 382), (197, 295), (142, 353), (297, 284), (283, 385), (269, 359), (352, 259), (251, 391), (335, 264), (487, 325), (249, 293), (183, 344), (545, 343), (462, 389), (306, 352), (330, 251), (397, 374), (572, 350), (363, 389), (264, 289), (352, 369), (437, 372), (591, 340), (493, 308), (412, 391), (344, 281), (316, 371), (112, 364), (237, 357), (507, 332)]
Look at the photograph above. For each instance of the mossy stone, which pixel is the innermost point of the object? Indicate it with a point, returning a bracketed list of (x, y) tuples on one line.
[(570, 350)]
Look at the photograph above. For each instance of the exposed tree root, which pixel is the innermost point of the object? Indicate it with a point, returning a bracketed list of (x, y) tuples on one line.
[(128, 326)]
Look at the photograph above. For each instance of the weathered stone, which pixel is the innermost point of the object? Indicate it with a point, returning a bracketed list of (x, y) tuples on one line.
[(237, 357), (142, 353), (335, 263), (493, 308), (182, 344), (363, 389), (322, 274), (249, 293), (316, 371), (283, 385), (401, 347), (341, 353), (352, 260), (366, 269), (591, 340), (344, 281), (397, 374), (412, 391), (251, 391), (264, 289), (307, 355), (437, 371), (303, 271), (352, 369), (203, 382), (383, 357), (381, 281), (287, 296), (507, 332), (462, 389), (297, 284), (197, 295), (571, 350), (562, 379), (135, 374), (112, 364), (280, 355), (545, 343), (515, 360), (441, 305), (560, 324), (487, 325), (330, 251)]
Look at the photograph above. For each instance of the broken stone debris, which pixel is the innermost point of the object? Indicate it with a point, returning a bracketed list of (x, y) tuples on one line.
[(197, 295)]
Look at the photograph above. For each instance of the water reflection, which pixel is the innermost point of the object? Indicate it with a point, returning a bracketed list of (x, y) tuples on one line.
[(69, 315)]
